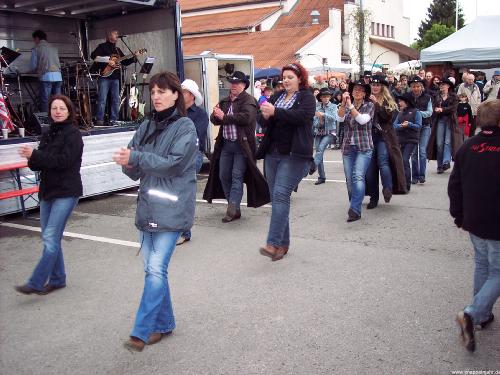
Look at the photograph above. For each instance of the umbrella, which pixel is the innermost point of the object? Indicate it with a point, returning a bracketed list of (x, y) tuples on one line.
[(267, 73)]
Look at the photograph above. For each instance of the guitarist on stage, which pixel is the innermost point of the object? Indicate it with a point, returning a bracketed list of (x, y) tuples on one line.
[(111, 83)]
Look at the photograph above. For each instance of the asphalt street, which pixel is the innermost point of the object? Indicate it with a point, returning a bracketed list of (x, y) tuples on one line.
[(377, 296)]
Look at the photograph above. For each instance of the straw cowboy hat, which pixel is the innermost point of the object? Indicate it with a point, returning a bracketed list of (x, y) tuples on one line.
[(193, 88)]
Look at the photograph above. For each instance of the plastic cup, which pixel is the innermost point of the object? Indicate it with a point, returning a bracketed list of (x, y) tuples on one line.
[(5, 133), (21, 132)]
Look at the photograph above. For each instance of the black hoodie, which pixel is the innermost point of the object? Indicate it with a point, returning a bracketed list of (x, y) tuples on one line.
[(474, 186)]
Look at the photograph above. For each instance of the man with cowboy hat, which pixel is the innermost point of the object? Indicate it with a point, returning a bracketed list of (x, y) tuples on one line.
[(324, 129), (193, 100), (423, 103), (233, 159)]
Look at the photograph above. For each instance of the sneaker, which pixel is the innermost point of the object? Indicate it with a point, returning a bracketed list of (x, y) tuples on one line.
[(464, 321), (421, 180), (372, 204), (414, 181), (446, 166), (440, 171)]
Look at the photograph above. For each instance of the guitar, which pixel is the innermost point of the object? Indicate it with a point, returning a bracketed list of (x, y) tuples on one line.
[(108, 70)]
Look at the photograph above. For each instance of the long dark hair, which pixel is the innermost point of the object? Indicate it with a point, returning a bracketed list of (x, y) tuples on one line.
[(169, 80), (71, 109)]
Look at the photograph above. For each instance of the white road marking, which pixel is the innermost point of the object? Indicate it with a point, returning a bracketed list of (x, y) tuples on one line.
[(77, 235)]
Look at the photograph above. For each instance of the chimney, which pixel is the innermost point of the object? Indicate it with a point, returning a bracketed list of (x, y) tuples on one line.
[(315, 17)]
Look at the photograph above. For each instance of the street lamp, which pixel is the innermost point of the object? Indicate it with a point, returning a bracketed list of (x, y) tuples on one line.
[(377, 59)]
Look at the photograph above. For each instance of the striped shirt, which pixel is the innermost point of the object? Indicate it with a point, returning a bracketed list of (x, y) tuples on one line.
[(359, 135)]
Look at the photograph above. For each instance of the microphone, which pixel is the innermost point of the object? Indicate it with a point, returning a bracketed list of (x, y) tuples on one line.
[(122, 36)]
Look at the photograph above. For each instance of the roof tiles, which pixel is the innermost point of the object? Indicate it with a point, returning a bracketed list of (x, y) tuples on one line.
[(273, 48), (226, 21)]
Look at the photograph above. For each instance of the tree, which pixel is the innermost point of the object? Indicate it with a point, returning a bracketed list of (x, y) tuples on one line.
[(360, 20), (443, 12), (435, 34)]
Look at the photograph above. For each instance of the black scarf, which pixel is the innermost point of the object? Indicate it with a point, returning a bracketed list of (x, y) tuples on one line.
[(162, 120)]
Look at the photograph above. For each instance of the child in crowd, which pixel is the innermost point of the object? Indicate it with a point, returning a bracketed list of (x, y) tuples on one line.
[(266, 94), (464, 114)]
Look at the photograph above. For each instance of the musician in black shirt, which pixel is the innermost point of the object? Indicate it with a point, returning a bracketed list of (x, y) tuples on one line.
[(111, 82)]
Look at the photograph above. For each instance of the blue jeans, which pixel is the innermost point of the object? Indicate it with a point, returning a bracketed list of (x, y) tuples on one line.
[(283, 174), (199, 164), (106, 85), (486, 278), (232, 168), (379, 162), (53, 217), (443, 143), (155, 314), (320, 142), (407, 150), (355, 166), (419, 157), (48, 88)]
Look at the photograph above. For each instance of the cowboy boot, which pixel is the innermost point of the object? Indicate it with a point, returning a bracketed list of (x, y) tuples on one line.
[(232, 213)]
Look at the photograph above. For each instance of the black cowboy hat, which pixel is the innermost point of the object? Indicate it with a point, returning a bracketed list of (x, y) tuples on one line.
[(367, 73), (277, 82), (448, 82), (238, 77), (322, 92), (415, 79), (378, 78), (361, 82), (407, 99)]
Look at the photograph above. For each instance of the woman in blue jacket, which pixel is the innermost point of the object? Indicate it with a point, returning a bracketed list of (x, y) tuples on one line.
[(162, 154)]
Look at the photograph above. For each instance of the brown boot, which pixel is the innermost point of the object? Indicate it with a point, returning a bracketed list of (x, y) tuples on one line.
[(232, 213), (156, 337), (268, 251), (134, 344), (280, 253)]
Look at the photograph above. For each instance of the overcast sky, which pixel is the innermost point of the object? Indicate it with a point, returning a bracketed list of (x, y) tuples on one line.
[(417, 11)]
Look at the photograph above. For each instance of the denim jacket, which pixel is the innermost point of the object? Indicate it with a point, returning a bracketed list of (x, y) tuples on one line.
[(331, 118)]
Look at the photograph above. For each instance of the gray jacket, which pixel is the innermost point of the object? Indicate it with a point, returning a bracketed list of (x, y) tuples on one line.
[(47, 58), (163, 158)]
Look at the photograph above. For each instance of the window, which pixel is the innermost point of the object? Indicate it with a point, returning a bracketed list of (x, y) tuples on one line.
[(392, 31), (373, 28), (383, 29), (378, 29)]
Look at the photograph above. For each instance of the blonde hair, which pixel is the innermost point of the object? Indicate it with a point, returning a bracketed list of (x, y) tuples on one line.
[(386, 100)]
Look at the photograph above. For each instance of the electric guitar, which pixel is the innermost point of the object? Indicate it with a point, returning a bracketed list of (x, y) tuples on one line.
[(108, 70)]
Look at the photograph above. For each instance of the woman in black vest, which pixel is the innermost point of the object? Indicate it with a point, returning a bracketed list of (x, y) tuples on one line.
[(407, 124), (58, 158), (287, 150)]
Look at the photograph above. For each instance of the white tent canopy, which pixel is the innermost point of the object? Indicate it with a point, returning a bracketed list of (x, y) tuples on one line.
[(477, 44)]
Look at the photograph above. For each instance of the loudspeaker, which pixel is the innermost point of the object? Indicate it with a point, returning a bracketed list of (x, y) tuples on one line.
[(38, 123)]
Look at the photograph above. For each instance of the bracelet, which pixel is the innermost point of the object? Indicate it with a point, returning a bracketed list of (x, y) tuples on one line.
[(351, 107)]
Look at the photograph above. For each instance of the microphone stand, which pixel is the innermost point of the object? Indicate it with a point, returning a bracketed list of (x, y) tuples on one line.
[(136, 61), (86, 87)]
